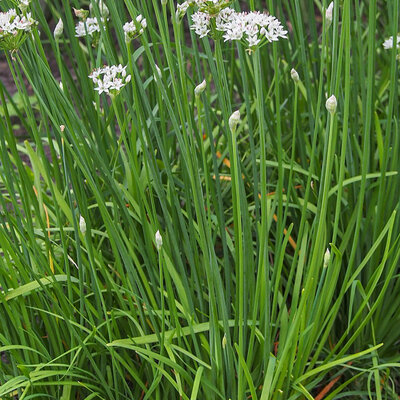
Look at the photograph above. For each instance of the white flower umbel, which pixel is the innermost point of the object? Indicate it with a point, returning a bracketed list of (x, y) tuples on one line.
[(13, 29), (110, 79), (88, 27), (253, 28), (24, 5), (181, 10), (389, 43), (212, 7), (134, 28), (201, 23)]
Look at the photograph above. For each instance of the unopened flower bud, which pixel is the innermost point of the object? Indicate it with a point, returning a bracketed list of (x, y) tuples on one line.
[(159, 241), (104, 11), (159, 73), (294, 75), (164, 2), (331, 104), (199, 89), (24, 5), (224, 342), (329, 15), (327, 257), (59, 29), (234, 120), (181, 10), (81, 13), (82, 224)]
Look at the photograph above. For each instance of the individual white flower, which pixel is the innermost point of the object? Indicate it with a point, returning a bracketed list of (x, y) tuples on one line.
[(295, 76), (104, 11), (88, 27), (110, 79), (389, 43), (234, 120), (82, 225), (331, 104), (134, 28), (199, 89), (329, 14), (59, 29), (159, 241)]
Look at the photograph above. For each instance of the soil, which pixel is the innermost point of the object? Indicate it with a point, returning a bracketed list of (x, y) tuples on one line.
[(5, 75)]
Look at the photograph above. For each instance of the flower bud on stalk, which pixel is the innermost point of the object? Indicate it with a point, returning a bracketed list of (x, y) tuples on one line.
[(294, 75), (199, 89), (59, 29), (234, 120), (159, 241), (81, 13), (331, 104), (327, 257), (329, 15), (82, 225)]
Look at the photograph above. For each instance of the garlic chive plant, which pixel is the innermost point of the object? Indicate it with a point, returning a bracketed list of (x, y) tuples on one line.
[(201, 207)]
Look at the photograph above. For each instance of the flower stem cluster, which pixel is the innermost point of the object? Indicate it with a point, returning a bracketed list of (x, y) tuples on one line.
[(14, 29), (110, 79)]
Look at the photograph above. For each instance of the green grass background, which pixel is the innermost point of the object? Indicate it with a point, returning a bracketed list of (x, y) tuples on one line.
[(238, 303)]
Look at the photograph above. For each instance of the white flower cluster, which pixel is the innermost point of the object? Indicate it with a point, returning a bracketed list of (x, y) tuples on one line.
[(251, 28), (211, 7), (134, 28), (110, 79), (11, 23), (24, 5), (88, 27), (389, 43)]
